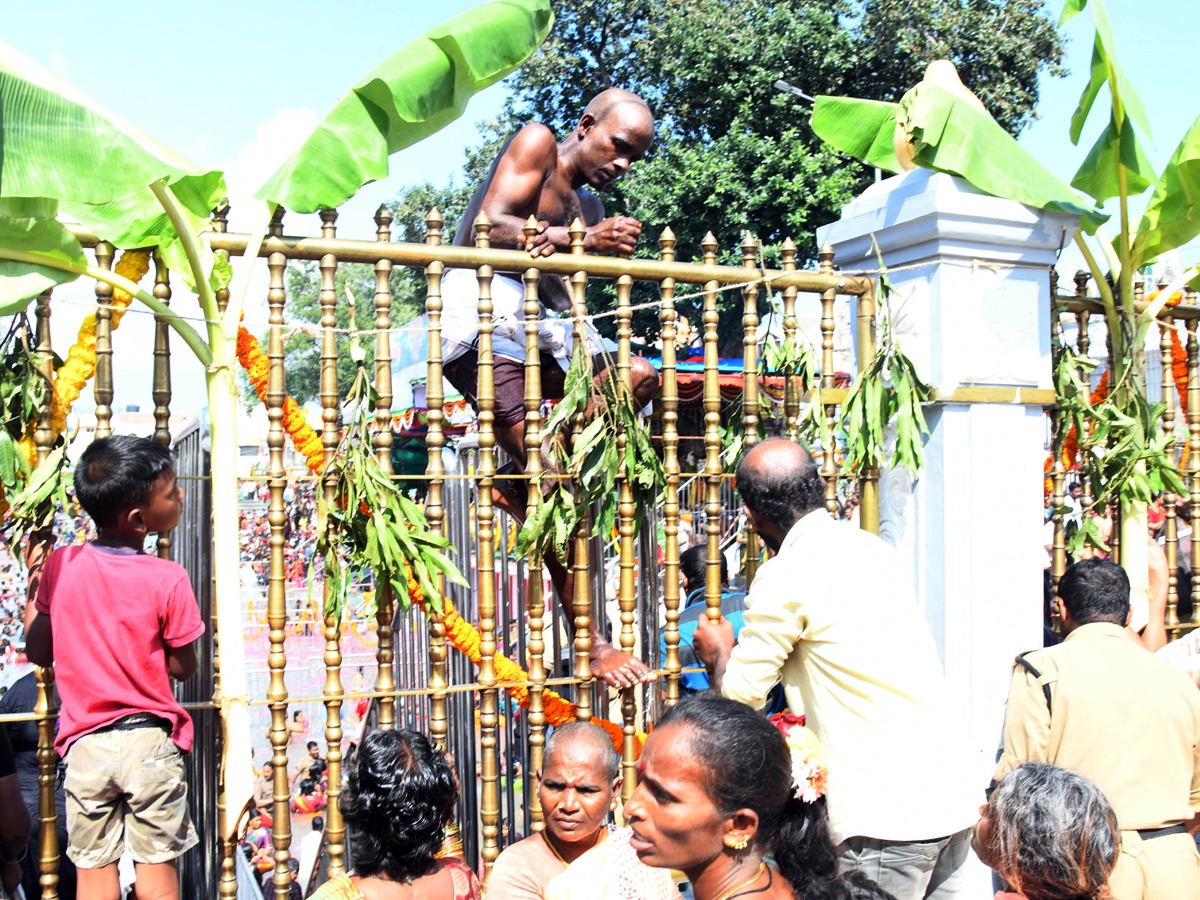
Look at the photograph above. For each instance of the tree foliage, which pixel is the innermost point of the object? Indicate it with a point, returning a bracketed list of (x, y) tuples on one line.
[(734, 155)]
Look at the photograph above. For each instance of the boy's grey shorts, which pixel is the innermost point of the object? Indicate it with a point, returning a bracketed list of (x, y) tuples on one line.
[(126, 784)]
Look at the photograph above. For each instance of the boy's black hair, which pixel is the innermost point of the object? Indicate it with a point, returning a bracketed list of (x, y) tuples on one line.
[(117, 473)]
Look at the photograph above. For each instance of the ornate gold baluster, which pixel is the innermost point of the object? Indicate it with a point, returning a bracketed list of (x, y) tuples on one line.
[(385, 601), (713, 469), (1193, 465), (281, 827), (581, 600), (103, 386), (1057, 473), (791, 389), (485, 568), (1083, 346), (670, 408), (750, 382), (45, 708), (868, 484), (534, 599), (161, 392), (626, 512), (1165, 330), (335, 828), (435, 511), (227, 886), (828, 461)]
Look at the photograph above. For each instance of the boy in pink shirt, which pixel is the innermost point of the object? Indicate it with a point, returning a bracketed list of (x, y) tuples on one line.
[(118, 624)]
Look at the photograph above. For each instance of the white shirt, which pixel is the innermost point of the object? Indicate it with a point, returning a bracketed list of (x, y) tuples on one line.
[(834, 617)]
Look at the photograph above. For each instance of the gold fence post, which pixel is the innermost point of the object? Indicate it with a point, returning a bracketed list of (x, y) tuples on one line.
[(750, 383), (161, 391), (485, 565), (829, 468), (435, 510), (1083, 346), (534, 598), (45, 708), (102, 386), (670, 411), (1193, 466), (791, 390), (868, 484), (1166, 329), (713, 469), (626, 512), (335, 828), (385, 601), (1058, 552), (581, 600), (281, 827), (227, 886)]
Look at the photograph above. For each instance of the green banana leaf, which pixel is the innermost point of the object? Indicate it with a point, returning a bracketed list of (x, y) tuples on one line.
[(1172, 217), (1099, 175), (952, 136), (415, 92), (861, 128), (1104, 69), (58, 144), (31, 225)]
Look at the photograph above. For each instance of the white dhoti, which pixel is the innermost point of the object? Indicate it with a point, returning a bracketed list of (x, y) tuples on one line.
[(460, 321)]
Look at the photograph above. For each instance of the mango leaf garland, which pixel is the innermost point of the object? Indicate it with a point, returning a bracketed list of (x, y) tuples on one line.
[(593, 460), (372, 525)]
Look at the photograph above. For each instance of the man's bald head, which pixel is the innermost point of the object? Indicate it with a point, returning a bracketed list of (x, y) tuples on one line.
[(607, 102), (779, 480), (587, 737)]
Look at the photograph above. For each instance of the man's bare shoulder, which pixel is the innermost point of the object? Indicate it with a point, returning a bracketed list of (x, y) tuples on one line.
[(534, 146)]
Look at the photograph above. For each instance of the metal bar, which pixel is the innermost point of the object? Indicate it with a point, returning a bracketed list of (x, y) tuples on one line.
[(750, 385), (335, 828), (670, 412), (1193, 461), (791, 390), (580, 595), (626, 519), (868, 485), (489, 808), (517, 261), (1167, 423), (712, 442), (281, 827), (535, 604), (45, 707), (435, 469), (385, 601), (102, 385)]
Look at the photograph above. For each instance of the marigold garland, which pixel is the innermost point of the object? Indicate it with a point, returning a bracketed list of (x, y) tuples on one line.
[(1179, 371), (461, 634)]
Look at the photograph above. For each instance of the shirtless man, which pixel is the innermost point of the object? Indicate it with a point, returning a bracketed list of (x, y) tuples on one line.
[(537, 175)]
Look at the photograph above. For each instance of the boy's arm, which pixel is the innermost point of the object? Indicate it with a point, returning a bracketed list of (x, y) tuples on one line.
[(39, 643), (181, 661)]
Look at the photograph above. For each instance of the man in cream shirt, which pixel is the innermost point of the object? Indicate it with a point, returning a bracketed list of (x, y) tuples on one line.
[(833, 616)]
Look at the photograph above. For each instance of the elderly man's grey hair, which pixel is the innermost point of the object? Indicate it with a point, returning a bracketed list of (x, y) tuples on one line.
[(1051, 834)]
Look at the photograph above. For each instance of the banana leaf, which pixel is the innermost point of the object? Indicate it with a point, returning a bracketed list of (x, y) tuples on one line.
[(861, 128), (1104, 69), (31, 225), (1099, 175), (1172, 217), (58, 144), (952, 136), (414, 93)]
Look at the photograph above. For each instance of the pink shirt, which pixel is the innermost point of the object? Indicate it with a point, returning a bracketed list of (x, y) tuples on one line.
[(113, 614)]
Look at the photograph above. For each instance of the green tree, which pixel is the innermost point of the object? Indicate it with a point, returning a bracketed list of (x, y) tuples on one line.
[(302, 347), (734, 155)]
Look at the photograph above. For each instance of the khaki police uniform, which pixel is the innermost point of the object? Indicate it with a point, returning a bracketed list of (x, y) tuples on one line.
[(1101, 705)]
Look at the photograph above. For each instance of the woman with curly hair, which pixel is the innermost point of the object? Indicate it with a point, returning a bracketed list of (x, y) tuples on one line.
[(1050, 834), (400, 793)]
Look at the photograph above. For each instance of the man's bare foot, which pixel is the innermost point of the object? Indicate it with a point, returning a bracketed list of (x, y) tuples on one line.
[(616, 668)]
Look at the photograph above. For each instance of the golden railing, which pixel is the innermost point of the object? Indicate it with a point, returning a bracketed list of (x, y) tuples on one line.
[(1179, 374), (636, 605)]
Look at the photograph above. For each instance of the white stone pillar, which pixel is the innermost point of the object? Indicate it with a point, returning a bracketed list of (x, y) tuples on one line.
[(972, 310)]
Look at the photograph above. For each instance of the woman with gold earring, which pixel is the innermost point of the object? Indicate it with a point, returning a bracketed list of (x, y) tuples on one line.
[(724, 797)]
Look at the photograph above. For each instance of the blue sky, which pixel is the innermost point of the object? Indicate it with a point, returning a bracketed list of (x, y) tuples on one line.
[(233, 86)]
